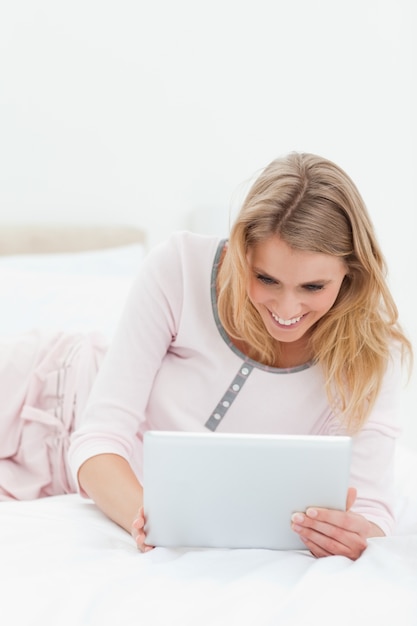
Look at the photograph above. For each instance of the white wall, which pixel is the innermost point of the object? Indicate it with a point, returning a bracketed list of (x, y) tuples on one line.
[(155, 113)]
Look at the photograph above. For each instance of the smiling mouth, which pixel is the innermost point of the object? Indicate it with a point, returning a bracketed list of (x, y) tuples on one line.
[(291, 322)]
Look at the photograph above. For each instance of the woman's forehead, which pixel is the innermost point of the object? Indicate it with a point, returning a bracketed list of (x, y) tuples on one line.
[(275, 257)]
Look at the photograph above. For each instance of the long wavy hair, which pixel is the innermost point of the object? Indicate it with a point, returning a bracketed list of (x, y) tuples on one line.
[(313, 205)]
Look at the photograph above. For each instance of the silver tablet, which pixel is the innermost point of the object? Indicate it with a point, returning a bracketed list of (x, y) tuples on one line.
[(238, 490)]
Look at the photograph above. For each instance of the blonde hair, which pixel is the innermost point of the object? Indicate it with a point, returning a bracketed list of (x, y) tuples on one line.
[(313, 205)]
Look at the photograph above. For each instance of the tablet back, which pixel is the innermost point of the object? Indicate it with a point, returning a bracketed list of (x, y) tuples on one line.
[(238, 490)]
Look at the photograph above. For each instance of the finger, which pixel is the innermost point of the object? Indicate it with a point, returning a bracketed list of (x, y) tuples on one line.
[(324, 535), (315, 549), (323, 539), (325, 519), (140, 539), (351, 497), (323, 545), (339, 526), (138, 523), (138, 532)]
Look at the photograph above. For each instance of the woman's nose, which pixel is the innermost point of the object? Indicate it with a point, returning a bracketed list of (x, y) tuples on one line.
[(288, 306)]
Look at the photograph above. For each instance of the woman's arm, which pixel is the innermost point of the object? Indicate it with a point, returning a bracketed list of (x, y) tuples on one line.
[(109, 480), (370, 505), (108, 429)]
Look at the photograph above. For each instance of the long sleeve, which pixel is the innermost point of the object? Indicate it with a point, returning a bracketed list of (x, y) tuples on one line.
[(373, 453), (116, 411)]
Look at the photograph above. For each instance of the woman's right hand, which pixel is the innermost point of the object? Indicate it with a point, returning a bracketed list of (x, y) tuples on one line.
[(138, 532)]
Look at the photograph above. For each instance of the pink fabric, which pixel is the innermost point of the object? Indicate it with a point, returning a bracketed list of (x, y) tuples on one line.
[(44, 382)]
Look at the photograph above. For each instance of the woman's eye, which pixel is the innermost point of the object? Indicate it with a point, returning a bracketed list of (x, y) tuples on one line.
[(313, 287), (265, 279)]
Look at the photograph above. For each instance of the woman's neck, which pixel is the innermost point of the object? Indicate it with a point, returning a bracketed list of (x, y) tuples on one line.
[(287, 354)]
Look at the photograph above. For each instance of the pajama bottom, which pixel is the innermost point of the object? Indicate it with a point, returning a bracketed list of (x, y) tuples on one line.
[(44, 384)]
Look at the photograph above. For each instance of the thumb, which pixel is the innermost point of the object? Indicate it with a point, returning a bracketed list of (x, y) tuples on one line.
[(351, 497)]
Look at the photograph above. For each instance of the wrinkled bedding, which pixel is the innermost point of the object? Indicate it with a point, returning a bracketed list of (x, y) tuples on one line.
[(62, 562)]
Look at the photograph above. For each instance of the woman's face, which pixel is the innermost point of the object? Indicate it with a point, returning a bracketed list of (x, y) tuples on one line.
[(292, 289)]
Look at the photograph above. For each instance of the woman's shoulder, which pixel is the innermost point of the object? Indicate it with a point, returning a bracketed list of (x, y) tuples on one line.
[(190, 241), (187, 248)]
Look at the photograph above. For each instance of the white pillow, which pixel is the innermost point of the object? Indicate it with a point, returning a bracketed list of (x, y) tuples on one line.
[(120, 260), (84, 291)]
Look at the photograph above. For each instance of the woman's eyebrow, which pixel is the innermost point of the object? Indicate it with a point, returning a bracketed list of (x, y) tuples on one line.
[(318, 281), (256, 270)]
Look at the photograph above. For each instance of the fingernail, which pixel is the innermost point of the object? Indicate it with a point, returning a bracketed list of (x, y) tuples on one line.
[(297, 517), (311, 512)]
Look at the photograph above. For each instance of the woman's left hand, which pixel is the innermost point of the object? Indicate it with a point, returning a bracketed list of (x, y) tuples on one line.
[(327, 532)]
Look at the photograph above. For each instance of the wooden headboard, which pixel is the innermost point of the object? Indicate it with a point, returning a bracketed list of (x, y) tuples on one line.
[(49, 238)]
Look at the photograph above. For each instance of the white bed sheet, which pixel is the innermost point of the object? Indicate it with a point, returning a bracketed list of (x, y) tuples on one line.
[(62, 562)]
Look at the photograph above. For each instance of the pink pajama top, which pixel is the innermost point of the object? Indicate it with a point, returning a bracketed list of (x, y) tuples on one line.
[(171, 366)]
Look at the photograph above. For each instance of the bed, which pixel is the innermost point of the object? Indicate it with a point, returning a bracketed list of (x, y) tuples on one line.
[(62, 562)]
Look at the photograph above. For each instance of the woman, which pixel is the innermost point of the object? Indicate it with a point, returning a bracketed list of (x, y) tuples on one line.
[(288, 327)]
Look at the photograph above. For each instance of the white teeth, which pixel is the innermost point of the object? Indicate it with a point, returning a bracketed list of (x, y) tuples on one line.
[(285, 322)]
